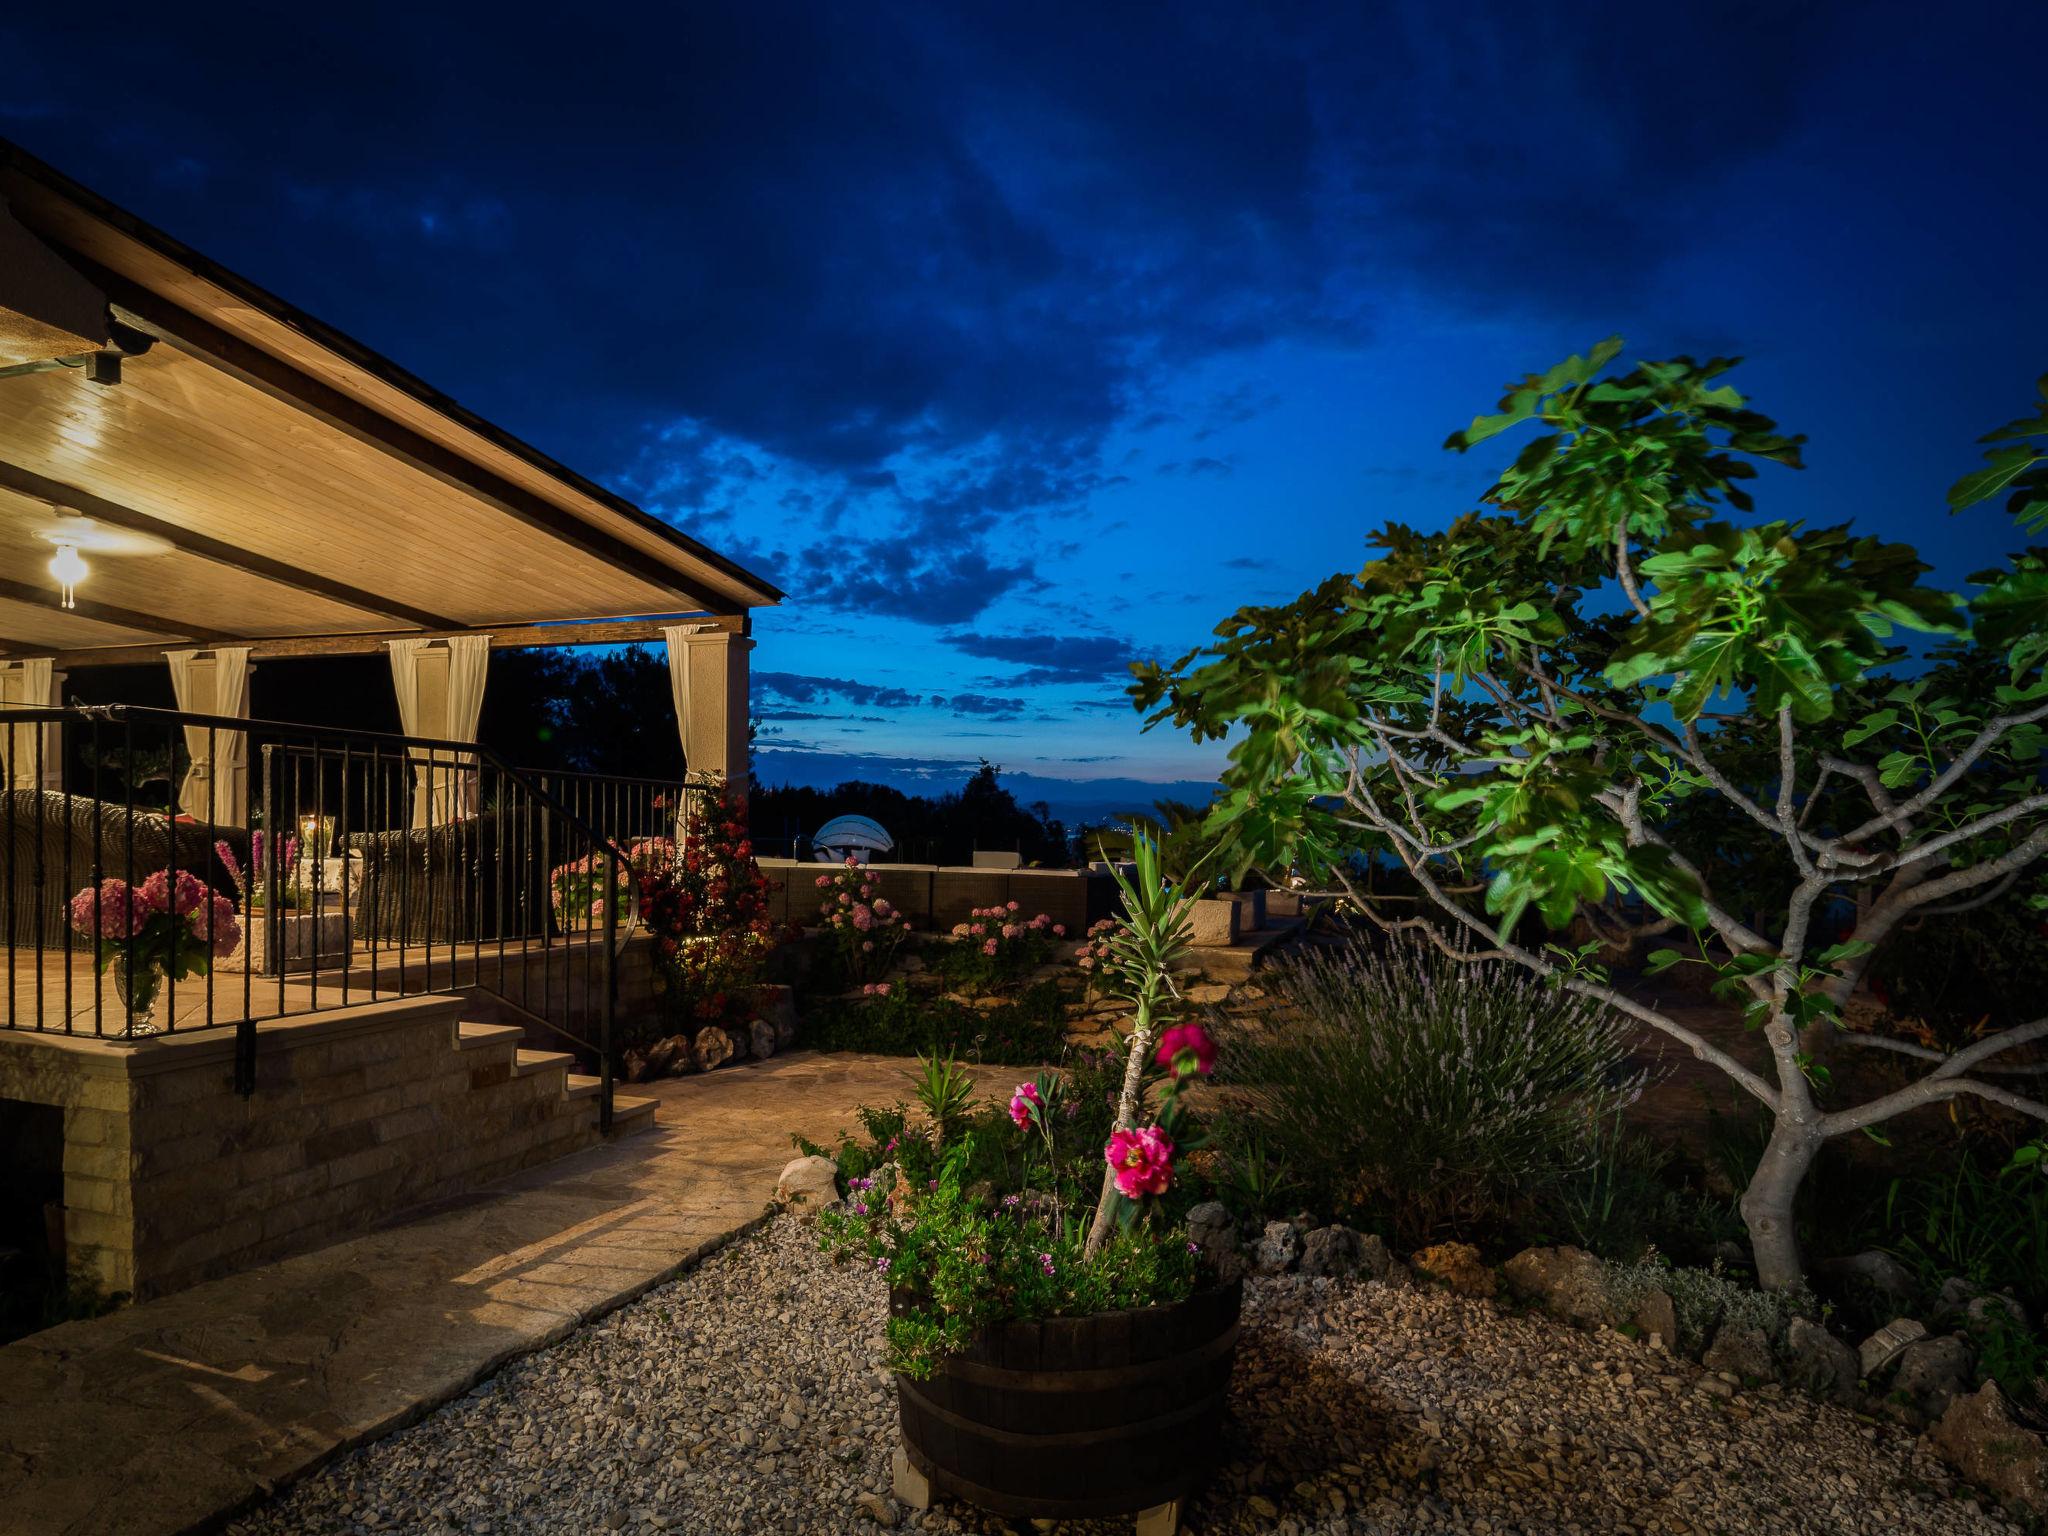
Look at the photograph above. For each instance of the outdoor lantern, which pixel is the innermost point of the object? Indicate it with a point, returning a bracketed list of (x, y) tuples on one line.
[(69, 567)]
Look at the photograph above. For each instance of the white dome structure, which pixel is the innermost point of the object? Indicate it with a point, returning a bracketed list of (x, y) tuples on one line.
[(855, 837)]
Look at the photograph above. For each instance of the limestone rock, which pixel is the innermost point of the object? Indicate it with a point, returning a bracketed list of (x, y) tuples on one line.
[(1568, 1282), (633, 1065), (761, 1039), (1656, 1317), (1875, 1270), (808, 1183), (1279, 1247), (1883, 1346), (1458, 1266), (1741, 1349), (669, 1055), (1978, 1437), (713, 1047), (1997, 1309), (1819, 1363), (1212, 1229), (1337, 1250), (1933, 1371)]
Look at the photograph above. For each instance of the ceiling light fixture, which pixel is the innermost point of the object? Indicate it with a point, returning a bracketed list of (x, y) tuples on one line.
[(69, 567)]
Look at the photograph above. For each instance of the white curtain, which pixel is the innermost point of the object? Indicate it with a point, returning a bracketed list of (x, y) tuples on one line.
[(215, 786), (444, 784), (31, 684), (675, 637)]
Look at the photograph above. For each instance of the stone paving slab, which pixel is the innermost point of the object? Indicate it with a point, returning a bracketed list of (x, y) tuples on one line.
[(169, 1416)]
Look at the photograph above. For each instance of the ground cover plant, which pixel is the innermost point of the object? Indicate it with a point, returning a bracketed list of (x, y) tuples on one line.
[(1616, 697)]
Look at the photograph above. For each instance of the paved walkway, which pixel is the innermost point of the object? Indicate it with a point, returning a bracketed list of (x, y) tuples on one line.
[(165, 1416)]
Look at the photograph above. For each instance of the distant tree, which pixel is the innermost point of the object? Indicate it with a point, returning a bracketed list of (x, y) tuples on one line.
[(1609, 699)]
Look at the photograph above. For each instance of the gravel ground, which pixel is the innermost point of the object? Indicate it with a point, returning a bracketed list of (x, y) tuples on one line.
[(748, 1396)]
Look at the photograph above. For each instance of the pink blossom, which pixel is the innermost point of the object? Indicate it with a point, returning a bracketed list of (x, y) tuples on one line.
[(823, 881), (1013, 906), (959, 930), (110, 911), (1059, 930), (1187, 1048), (1011, 930), (989, 948), (1142, 1161), (157, 892), (225, 934), (863, 919), (867, 946), (1023, 1102)]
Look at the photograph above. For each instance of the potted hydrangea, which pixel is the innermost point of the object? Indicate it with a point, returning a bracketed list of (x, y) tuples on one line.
[(159, 926), (1061, 1348)]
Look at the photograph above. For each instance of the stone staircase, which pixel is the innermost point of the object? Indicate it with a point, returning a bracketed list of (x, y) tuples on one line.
[(544, 1109)]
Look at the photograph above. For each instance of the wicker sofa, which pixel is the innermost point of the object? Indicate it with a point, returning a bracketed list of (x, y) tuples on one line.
[(444, 885), (47, 845)]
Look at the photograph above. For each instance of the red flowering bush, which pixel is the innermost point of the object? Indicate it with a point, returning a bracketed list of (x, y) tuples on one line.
[(706, 906)]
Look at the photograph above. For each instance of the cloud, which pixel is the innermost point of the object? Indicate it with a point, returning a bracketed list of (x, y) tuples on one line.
[(1052, 658), (801, 689), (1247, 563), (982, 704)]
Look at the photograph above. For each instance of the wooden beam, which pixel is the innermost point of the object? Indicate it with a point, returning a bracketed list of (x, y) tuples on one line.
[(504, 637), (157, 316), (104, 613), (28, 483)]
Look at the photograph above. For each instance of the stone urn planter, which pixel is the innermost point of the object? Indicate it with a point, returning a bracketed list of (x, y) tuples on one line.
[(1120, 1413), (300, 935)]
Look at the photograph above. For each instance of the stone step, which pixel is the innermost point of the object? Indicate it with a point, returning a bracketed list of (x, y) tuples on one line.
[(577, 1086), (631, 1115), (526, 1063), (473, 1036)]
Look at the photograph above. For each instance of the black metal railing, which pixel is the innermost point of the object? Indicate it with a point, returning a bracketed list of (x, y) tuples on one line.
[(291, 869)]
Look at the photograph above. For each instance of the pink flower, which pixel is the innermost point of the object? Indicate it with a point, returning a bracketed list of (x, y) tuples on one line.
[(110, 911), (863, 919), (156, 891), (823, 881), (225, 934), (1023, 1102), (1013, 906), (1059, 930), (1142, 1161), (1011, 930), (989, 948), (1187, 1048)]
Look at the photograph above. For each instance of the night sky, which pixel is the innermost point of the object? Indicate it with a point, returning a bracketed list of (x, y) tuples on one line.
[(1015, 342)]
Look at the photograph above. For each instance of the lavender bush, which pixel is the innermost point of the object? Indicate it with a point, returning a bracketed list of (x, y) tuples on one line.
[(1437, 1095)]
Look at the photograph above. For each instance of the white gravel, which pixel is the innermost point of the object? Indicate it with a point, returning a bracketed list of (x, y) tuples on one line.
[(748, 1396)]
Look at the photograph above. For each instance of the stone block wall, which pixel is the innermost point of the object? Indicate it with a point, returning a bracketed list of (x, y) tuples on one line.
[(171, 1178), (936, 896)]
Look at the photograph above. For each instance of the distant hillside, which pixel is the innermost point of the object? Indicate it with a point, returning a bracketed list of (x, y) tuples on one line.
[(1073, 801)]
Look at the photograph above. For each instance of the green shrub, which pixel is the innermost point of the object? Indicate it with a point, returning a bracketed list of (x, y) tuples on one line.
[(1970, 1219), (1704, 1299), (1632, 1196), (904, 1022), (1396, 1080)]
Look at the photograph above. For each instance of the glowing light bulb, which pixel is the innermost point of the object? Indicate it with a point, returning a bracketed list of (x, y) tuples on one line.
[(70, 569)]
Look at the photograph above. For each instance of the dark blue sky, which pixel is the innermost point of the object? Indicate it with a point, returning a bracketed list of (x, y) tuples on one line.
[(1015, 342)]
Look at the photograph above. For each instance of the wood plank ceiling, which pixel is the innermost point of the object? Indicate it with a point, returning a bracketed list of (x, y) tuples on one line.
[(293, 484)]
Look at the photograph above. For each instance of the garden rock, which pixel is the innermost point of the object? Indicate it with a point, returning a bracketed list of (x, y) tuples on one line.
[(1876, 1270), (1988, 1312), (1741, 1349), (761, 1039), (1568, 1282), (1883, 1346), (1458, 1266), (669, 1055), (1819, 1363), (1212, 1229), (1278, 1248), (808, 1183), (1656, 1317), (1337, 1250), (713, 1047), (1932, 1371), (1978, 1437)]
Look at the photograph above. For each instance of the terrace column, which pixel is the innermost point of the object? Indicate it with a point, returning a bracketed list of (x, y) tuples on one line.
[(216, 682), (25, 762), (708, 677), (440, 690)]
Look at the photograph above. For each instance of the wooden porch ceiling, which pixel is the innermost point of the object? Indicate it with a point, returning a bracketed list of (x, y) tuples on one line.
[(305, 494)]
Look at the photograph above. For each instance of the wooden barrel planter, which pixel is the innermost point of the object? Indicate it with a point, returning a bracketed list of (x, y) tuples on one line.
[(1073, 1417)]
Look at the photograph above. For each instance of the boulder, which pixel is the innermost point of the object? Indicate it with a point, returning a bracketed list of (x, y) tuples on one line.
[(775, 1005), (1933, 1371), (1873, 1270), (1279, 1248), (808, 1183), (668, 1056), (713, 1047), (1458, 1266), (633, 1065), (761, 1039), (1978, 1437), (1656, 1317), (1212, 1228), (1817, 1362), (1883, 1346), (1337, 1250), (1741, 1349), (1995, 1310), (1567, 1282)]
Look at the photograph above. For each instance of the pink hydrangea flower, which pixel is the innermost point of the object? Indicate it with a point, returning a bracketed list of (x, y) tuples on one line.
[(225, 934), (1187, 1048), (1059, 930), (863, 919), (989, 947), (157, 892), (1141, 1161), (1023, 1102), (1011, 930), (109, 911)]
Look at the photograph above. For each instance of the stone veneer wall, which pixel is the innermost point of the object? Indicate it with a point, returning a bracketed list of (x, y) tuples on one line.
[(935, 897), (171, 1178)]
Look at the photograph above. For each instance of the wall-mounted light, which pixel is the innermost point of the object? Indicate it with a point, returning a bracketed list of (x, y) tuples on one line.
[(69, 567)]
